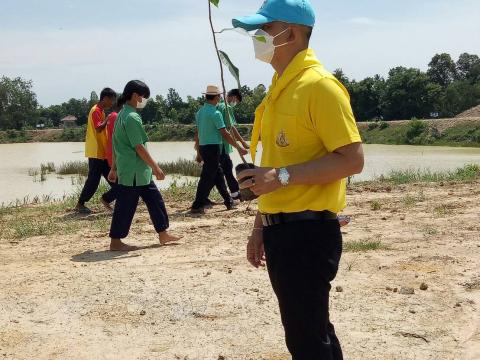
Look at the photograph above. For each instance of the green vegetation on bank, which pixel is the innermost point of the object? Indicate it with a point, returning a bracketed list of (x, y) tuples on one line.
[(156, 133), (182, 167), (43, 217), (418, 132), (463, 174)]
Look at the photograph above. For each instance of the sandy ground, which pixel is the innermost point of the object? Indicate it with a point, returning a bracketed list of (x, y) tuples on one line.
[(66, 297)]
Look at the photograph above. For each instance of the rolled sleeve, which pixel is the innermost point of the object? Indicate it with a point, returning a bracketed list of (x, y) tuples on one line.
[(97, 118), (218, 120), (332, 115)]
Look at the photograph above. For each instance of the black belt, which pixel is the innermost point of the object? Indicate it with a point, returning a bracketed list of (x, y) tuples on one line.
[(283, 218)]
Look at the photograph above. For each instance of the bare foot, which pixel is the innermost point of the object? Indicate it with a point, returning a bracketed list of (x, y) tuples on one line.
[(106, 205), (165, 238), (118, 245)]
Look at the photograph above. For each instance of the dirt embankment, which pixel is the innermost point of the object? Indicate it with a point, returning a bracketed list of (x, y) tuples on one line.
[(440, 124), (470, 113)]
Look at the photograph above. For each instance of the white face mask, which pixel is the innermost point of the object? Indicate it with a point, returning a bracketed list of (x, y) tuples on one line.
[(263, 45), (142, 103)]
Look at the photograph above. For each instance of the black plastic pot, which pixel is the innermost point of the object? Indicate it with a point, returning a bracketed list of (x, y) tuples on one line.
[(246, 194)]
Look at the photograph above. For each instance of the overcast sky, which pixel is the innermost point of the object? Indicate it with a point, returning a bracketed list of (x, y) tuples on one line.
[(69, 48)]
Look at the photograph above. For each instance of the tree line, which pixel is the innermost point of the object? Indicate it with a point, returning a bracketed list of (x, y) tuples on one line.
[(444, 90)]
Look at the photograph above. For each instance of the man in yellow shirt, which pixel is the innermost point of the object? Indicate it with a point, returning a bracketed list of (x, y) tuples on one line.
[(310, 145), (96, 152)]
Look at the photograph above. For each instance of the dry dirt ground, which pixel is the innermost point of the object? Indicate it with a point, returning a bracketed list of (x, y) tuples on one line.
[(66, 297)]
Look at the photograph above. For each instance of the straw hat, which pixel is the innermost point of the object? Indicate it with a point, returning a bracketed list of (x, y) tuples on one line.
[(212, 90)]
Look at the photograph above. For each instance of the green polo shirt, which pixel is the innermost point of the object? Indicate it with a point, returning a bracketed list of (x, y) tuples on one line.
[(127, 135), (229, 122), (209, 121)]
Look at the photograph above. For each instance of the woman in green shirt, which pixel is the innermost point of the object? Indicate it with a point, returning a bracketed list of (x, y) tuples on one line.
[(133, 167)]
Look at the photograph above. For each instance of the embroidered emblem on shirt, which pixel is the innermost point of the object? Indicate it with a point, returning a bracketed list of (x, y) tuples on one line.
[(282, 140)]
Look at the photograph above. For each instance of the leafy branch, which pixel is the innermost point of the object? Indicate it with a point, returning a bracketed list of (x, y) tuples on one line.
[(223, 59)]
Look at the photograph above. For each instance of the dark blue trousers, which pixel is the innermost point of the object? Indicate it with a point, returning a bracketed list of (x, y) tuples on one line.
[(96, 169), (126, 206)]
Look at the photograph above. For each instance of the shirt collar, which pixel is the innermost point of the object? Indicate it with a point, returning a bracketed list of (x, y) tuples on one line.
[(305, 58), (127, 106)]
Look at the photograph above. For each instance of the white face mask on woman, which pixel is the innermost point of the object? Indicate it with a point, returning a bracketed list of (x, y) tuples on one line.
[(263, 45), (142, 104)]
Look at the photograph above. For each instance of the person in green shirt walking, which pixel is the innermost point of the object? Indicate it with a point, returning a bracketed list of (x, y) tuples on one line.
[(234, 97), (133, 167), (208, 143)]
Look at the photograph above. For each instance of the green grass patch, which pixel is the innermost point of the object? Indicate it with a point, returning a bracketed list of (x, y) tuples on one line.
[(73, 168), (363, 246), (25, 221), (182, 167), (443, 210), (467, 173), (430, 230), (27, 227), (375, 205)]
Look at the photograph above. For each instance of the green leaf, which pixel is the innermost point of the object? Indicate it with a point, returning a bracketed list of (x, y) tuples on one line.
[(215, 2), (260, 38), (232, 68)]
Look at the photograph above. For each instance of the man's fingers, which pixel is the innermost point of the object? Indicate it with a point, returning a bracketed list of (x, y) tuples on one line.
[(247, 184), (246, 173), (253, 255)]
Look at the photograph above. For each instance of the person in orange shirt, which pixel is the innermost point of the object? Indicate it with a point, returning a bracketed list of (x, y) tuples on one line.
[(96, 152), (111, 118)]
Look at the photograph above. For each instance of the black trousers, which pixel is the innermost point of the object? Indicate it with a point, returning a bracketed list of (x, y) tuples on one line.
[(302, 260), (96, 169), (227, 167), (212, 175), (126, 206)]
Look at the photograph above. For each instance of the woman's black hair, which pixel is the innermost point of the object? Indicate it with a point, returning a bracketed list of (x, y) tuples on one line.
[(134, 86), (120, 102), (236, 93)]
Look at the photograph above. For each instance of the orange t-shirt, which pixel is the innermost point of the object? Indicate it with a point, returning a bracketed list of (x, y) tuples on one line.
[(110, 127)]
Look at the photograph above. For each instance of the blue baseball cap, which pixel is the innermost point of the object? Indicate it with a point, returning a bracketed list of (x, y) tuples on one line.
[(290, 11)]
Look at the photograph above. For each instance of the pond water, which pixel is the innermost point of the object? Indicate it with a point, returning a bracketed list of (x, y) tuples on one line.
[(17, 160)]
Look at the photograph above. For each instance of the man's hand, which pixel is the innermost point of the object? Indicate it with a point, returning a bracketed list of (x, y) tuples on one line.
[(198, 158), (245, 145), (112, 176), (159, 174), (255, 249), (263, 180), (242, 151)]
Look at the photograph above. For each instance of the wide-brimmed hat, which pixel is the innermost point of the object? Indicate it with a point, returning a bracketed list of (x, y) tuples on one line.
[(212, 90)]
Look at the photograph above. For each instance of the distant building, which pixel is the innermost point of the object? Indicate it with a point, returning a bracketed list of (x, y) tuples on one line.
[(69, 121)]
